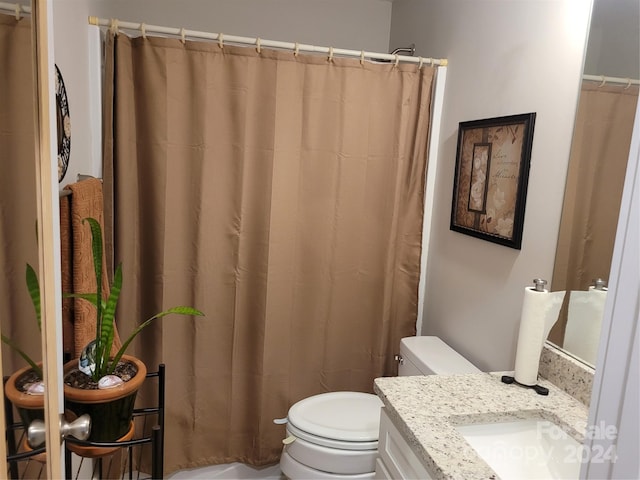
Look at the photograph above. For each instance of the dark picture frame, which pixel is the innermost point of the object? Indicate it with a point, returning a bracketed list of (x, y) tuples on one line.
[(491, 177)]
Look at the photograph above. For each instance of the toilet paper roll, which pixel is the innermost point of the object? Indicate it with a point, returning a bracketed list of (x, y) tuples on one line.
[(584, 321), (539, 313)]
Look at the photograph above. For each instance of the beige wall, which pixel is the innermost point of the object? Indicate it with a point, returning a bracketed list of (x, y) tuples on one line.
[(505, 58)]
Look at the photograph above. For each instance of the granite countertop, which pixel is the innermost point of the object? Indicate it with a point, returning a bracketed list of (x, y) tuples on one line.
[(426, 409)]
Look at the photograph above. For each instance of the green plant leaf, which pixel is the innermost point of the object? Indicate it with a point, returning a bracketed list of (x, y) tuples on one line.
[(34, 291), (107, 333), (181, 310), (96, 249), (36, 368), (90, 297), (105, 309)]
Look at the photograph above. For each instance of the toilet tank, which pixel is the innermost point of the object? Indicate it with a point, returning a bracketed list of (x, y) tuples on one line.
[(431, 356)]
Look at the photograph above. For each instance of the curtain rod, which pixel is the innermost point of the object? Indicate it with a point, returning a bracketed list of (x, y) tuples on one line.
[(16, 8), (259, 42), (605, 79)]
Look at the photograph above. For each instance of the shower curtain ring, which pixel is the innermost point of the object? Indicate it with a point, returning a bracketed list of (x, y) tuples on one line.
[(113, 26), (18, 11), (143, 29), (420, 62), (221, 40), (330, 54), (296, 49), (362, 57), (628, 84), (604, 80), (183, 36), (258, 45), (397, 60)]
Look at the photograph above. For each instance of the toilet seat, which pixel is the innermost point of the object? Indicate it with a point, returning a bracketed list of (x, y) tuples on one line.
[(339, 416), (336, 435), (329, 442)]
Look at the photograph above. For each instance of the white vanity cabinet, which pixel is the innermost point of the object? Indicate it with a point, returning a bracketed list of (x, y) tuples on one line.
[(395, 459), (417, 412)]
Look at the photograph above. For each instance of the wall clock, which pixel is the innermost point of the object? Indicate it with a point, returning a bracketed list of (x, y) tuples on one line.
[(63, 122)]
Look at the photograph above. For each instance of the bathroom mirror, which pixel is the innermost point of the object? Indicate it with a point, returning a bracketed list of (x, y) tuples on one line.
[(17, 190), (597, 166), (18, 200), (26, 223)]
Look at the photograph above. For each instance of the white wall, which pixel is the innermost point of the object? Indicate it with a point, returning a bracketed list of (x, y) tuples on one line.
[(506, 57), (356, 24), (71, 52)]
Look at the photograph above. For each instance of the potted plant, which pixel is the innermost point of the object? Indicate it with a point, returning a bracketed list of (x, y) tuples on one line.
[(103, 386), (25, 387)]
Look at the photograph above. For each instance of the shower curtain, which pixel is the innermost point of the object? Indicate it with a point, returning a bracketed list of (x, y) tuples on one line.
[(18, 212), (282, 195), (597, 166)]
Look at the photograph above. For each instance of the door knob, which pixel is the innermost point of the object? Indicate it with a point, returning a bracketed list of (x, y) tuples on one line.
[(79, 428)]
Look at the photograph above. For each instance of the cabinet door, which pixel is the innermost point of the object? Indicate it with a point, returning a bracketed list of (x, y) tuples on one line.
[(396, 454), (381, 471)]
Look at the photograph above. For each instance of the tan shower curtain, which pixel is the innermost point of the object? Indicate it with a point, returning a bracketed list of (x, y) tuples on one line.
[(283, 196), (18, 242), (597, 166)]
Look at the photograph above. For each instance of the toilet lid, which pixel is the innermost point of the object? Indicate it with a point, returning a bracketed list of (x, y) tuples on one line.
[(343, 416)]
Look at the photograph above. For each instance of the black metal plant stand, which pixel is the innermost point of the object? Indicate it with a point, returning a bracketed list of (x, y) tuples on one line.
[(155, 438)]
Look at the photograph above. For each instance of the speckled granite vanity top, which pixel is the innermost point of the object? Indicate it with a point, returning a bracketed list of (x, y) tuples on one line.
[(426, 409)]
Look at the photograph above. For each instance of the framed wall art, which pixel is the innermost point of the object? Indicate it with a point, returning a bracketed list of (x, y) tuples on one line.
[(491, 176)]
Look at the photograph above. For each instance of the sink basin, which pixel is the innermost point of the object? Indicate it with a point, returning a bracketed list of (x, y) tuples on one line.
[(525, 449)]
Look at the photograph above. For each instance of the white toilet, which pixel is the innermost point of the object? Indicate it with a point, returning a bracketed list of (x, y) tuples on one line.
[(335, 435)]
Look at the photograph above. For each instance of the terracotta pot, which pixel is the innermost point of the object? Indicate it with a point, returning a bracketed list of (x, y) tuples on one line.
[(111, 409), (39, 457), (30, 407)]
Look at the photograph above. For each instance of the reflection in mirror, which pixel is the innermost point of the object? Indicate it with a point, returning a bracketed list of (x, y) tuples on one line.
[(63, 126), (18, 213), (595, 177)]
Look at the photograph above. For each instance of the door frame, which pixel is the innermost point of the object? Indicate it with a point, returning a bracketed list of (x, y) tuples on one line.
[(48, 220)]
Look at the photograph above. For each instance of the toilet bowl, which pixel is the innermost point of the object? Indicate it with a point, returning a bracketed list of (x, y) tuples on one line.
[(335, 435)]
